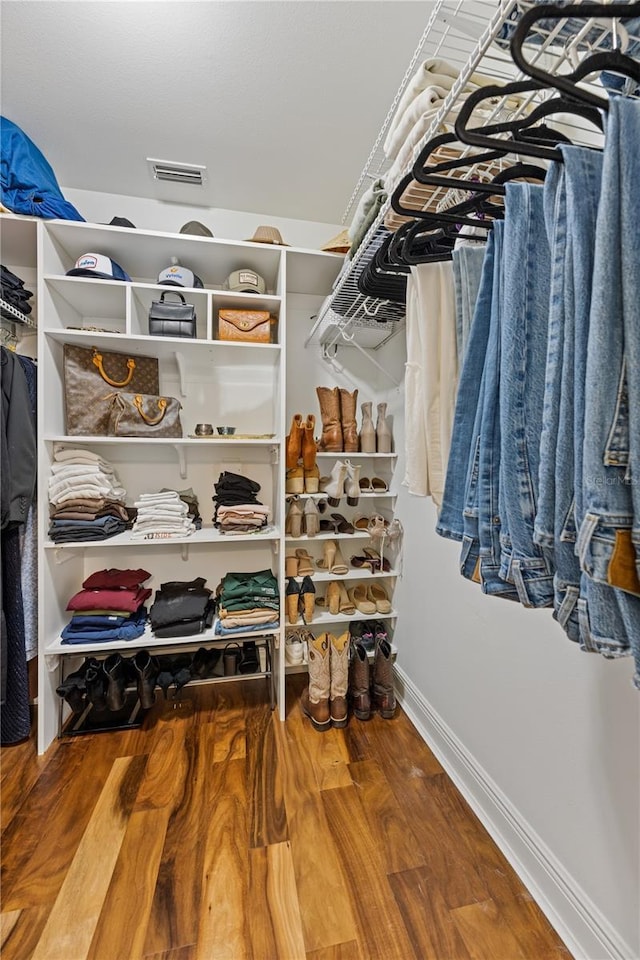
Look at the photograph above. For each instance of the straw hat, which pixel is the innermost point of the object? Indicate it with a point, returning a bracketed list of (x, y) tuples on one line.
[(268, 235), (339, 244)]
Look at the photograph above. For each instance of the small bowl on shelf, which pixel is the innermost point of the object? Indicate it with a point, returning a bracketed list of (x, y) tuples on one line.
[(226, 431)]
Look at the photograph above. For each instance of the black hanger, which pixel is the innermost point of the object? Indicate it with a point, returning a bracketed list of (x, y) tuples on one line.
[(612, 60), (532, 137)]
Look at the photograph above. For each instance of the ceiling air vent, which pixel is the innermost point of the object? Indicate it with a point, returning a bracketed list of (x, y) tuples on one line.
[(168, 170)]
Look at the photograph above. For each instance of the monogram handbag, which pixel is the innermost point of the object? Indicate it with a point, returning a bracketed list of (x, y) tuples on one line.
[(172, 318), (249, 326), (91, 375), (140, 415)]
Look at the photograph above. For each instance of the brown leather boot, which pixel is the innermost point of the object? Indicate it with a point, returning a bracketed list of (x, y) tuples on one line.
[(315, 698), (294, 442), (348, 407), (311, 469), (360, 682), (339, 680), (383, 696), (329, 400)]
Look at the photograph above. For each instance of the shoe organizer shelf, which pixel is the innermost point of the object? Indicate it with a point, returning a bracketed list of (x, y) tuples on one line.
[(217, 382)]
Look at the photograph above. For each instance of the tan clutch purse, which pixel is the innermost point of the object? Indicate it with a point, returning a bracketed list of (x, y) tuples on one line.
[(249, 326)]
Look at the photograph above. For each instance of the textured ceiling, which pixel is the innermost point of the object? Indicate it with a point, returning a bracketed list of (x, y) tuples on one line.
[(281, 101)]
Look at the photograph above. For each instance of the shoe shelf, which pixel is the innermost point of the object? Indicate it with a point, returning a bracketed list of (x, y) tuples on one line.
[(302, 667), (148, 641), (205, 535), (320, 619), (225, 442), (349, 456), (329, 535), (321, 576), (323, 496)]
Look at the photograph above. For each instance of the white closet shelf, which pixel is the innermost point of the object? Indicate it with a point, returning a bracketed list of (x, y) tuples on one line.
[(303, 667), (74, 439), (323, 496), (149, 641), (205, 535), (356, 574), (329, 535), (360, 456), (323, 618), (221, 351)]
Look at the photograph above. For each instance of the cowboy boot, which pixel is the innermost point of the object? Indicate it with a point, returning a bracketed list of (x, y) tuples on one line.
[(309, 448), (339, 680), (367, 430), (383, 696), (329, 400), (360, 682), (383, 431), (294, 482), (348, 407), (315, 698)]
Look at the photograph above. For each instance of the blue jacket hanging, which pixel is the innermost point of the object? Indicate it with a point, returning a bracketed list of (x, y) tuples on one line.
[(28, 184)]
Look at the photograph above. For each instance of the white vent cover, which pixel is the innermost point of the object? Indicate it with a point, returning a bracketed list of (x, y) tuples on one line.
[(169, 170)]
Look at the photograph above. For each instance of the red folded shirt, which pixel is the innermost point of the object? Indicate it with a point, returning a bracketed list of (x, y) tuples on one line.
[(114, 578), (109, 599)]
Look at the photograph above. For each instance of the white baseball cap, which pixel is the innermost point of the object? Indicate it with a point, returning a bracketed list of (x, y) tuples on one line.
[(178, 276)]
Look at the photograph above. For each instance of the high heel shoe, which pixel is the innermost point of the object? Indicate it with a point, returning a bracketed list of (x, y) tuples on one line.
[(293, 522), (352, 483), (342, 525), (311, 518), (339, 567), (307, 599), (347, 606), (292, 599), (304, 564), (332, 598), (328, 555), (291, 565)]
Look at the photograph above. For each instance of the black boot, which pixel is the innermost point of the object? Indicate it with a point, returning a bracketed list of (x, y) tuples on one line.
[(73, 688), (114, 667), (146, 673), (96, 682)]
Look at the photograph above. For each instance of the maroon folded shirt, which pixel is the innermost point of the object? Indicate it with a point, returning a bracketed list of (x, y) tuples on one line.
[(114, 578), (109, 599)]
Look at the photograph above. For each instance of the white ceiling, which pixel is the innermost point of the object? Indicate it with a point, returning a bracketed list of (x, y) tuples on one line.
[(282, 101)]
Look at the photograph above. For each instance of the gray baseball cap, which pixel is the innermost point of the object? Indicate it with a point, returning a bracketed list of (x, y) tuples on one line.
[(245, 281)]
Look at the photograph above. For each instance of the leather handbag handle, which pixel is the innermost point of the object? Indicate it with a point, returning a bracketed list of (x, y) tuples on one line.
[(162, 406), (175, 294), (131, 365)]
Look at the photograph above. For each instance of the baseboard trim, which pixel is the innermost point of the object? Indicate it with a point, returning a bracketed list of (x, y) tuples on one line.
[(582, 927)]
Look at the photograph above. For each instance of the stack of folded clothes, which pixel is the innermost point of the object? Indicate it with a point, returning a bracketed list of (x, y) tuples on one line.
[(86, 498), (237, 510), (191, 500), (247, 601), (182, 608), (12, 289), (162, 516), (109, 607)]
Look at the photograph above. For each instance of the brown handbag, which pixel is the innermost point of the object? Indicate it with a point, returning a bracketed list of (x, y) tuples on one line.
[(140, 415), (91, 376), (248, 326)]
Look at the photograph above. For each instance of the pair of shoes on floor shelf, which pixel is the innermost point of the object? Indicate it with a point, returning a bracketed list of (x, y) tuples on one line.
[(339, 427), (295, 647), (341, 677), (373, 485), (300, 599), (371, 685), (344, 480), (102, 684), (303, 474), (302, 520)]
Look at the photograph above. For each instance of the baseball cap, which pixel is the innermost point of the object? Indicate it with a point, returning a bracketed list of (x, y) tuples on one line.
[(97, 265), (196, 228), (121, 222), (178, 276), (245, 281)]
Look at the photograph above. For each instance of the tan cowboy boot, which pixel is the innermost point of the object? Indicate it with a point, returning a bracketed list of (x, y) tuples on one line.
[(315, 698), (348, 406), (329, 400)]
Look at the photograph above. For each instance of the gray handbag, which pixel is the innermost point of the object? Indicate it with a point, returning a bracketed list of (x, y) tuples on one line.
[(172, 318)]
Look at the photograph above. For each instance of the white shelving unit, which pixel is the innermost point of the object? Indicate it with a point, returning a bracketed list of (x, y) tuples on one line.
[(216, 381)]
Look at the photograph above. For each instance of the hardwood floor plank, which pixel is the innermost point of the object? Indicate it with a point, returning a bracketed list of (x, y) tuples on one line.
[(223, 931), (486, 933), (267, 814), (390, 828), (7, 923), (319, 875), (35, 862), (25, 933), (339, 951), (381, 930), (432, 932), (174, 917), (187, 952), (20, 769), (122, 925), (73, 918), (328, 752), (163, 781), (275, 925), (231, 738)]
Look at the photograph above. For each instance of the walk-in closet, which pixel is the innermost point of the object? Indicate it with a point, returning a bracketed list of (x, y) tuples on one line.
[(320, 536)]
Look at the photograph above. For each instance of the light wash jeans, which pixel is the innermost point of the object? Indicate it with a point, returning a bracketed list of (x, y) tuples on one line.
[(609, 539), (524, 327), (467, 274)]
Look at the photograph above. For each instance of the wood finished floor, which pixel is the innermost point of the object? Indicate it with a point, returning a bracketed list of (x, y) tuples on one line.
[(218, 832)]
